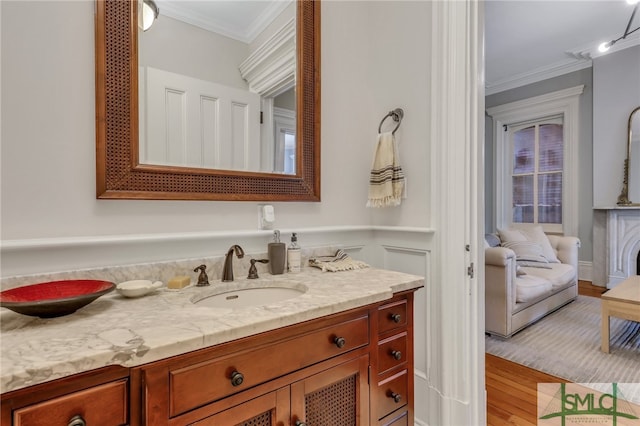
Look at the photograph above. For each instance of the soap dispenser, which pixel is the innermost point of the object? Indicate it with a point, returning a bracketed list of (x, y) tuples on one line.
[(294, 255), (277, 253)]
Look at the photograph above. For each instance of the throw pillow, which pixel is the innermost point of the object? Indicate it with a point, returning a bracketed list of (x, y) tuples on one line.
[(532, 233), (527, 251), (492, 240)]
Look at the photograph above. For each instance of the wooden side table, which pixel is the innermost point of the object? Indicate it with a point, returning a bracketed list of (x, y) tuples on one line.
[(622, 301)]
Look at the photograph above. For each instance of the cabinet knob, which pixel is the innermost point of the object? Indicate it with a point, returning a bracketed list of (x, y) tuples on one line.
[(340, 341), (77, 421), (300, 423), (397, 355), (396, 318), (236, 378), (396, 397)]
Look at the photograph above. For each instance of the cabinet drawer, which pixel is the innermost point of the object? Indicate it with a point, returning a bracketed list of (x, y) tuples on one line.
[(202, 383), (100, 405), (400, 418), (392, 352), (392, 315), (391, 393)]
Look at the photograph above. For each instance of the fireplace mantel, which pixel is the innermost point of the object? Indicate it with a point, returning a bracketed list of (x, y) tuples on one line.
[(616, 244)]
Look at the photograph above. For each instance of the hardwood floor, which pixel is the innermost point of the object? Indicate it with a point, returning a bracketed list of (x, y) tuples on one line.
[(511, 388)]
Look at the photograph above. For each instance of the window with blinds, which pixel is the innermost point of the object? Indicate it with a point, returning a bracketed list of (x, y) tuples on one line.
[(537, 171)]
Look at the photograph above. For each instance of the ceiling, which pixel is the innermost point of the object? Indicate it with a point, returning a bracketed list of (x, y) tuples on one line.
[(525, 40), (238, 19), (528, 41)]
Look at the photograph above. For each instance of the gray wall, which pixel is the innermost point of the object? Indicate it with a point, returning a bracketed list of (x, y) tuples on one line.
[(585, 162), (616, 82)]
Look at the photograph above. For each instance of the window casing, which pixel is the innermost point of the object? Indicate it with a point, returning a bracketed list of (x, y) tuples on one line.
[(563, 103)]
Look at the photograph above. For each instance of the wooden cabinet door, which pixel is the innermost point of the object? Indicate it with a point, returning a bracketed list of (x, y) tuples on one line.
[(338, 396), (271, 409)]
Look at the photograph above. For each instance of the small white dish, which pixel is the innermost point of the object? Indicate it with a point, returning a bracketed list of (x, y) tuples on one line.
[(137, 288)]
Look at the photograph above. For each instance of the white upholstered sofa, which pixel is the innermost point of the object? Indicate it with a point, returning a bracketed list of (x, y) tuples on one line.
[(519, 292)]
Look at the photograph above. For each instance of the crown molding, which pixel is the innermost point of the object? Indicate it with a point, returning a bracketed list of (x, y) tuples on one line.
[(271, 68), (591, 51), (538, 74), (173, 10), (579, 58)]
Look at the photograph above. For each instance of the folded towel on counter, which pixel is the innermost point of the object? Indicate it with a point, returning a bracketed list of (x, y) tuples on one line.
[(341, 261), (386, 181)]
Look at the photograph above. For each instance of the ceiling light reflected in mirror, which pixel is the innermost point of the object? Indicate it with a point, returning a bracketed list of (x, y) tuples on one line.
[(148, 14)]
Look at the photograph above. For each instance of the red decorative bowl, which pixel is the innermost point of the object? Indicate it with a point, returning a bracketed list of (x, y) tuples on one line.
[(55, 298)]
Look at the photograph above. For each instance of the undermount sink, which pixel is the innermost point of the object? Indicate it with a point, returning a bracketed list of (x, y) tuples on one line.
[(246, 297)]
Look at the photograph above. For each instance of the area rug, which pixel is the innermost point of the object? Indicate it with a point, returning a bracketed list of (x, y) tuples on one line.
[(566, 344)]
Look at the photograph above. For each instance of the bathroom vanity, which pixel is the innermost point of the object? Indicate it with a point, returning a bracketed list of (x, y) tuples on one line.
[(339, 354)]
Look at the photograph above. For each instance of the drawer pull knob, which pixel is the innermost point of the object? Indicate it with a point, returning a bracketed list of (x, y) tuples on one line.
[(397, 355), (300, 423), (236, 378), (77, 421), (340, 342), (396, 397), (395, 318)]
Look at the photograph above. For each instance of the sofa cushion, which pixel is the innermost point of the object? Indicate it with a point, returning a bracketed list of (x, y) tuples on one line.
[(533, 233), (558, 275), (529, 287)]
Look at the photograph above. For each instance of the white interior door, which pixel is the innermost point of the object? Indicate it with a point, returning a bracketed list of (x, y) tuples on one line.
[(197, 123)]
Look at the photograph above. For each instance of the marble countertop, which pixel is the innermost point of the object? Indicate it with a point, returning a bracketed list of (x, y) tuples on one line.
[(114, 330)]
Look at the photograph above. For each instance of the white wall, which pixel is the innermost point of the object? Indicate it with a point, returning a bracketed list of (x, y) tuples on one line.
[(48, 126), (48, 134), (616, 92), (399, 73), (375, 57), (175, 46)]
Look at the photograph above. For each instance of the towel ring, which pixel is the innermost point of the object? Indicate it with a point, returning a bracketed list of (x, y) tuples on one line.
[(397, 115)]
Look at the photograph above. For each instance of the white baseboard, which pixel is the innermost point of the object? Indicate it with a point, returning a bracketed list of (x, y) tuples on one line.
[(585, 271)]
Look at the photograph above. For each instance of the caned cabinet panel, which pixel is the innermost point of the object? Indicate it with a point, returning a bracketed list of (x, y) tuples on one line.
[(271, 409), (338, 396)]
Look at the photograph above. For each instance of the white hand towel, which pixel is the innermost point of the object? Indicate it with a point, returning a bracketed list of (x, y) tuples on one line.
[(386, 182)]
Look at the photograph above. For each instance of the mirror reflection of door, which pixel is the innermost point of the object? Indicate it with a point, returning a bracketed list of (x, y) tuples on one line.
[(207, 70)]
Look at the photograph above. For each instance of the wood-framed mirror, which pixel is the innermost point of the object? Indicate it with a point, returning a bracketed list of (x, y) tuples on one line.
[(119, 173)]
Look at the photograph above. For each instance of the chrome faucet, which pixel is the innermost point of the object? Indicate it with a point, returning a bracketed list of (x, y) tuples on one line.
[(227, 271)]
